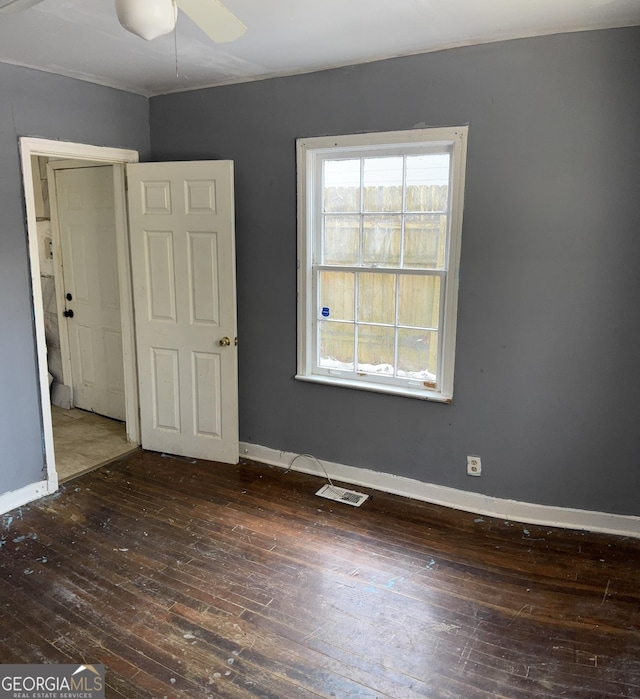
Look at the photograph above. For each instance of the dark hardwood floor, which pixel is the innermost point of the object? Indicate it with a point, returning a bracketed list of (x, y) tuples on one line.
[(196, 579)]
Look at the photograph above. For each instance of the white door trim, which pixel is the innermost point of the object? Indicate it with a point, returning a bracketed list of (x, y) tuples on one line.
[(117, 157)]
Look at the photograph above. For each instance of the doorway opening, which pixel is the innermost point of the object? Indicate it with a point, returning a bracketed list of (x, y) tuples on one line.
[(57, 340)]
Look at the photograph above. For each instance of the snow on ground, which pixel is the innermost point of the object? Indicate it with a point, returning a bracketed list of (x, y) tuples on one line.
[(379, 369)]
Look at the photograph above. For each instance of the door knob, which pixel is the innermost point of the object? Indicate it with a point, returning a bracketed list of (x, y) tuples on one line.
[(67, 313), (224, 342)]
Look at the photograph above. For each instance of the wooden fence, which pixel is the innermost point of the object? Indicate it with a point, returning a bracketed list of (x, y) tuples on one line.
[(380, 295)]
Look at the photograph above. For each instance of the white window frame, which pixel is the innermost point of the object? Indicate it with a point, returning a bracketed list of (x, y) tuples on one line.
[(310, 154)]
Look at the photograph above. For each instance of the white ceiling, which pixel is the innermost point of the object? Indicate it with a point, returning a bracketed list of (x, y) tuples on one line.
[(82, 38)]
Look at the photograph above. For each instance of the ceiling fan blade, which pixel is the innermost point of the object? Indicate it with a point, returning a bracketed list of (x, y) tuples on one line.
[(214, 19)]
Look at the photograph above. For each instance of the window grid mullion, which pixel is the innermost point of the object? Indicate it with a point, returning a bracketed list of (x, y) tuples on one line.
[(404, 209), (409, 271), (441, 329), (402, 230), (356, 295), (361, 227), (371, 324), (319, 237), (315, 291), (395, 326), (356, 284)]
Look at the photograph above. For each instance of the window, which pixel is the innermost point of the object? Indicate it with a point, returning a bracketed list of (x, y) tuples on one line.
[(379, 224)]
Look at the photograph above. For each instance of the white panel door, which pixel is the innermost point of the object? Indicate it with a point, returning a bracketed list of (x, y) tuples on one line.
[(86, 219), (181, 225)]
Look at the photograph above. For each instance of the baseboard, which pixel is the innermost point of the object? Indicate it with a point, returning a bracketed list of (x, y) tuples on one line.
[(529, 513), (17, 498)]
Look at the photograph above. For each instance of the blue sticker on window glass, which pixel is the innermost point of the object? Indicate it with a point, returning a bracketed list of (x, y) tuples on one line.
[(325, 312)]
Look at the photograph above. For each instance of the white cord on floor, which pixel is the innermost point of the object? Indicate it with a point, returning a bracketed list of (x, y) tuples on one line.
[(311, 456)]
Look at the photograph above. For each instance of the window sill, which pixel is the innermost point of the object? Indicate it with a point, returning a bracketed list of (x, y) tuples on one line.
[(420, 394)]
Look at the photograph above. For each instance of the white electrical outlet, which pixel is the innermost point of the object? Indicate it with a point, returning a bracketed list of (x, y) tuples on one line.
[(474, 466)]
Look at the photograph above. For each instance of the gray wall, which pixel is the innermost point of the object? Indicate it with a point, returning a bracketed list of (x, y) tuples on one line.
[(33, 103), (547, 369)]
